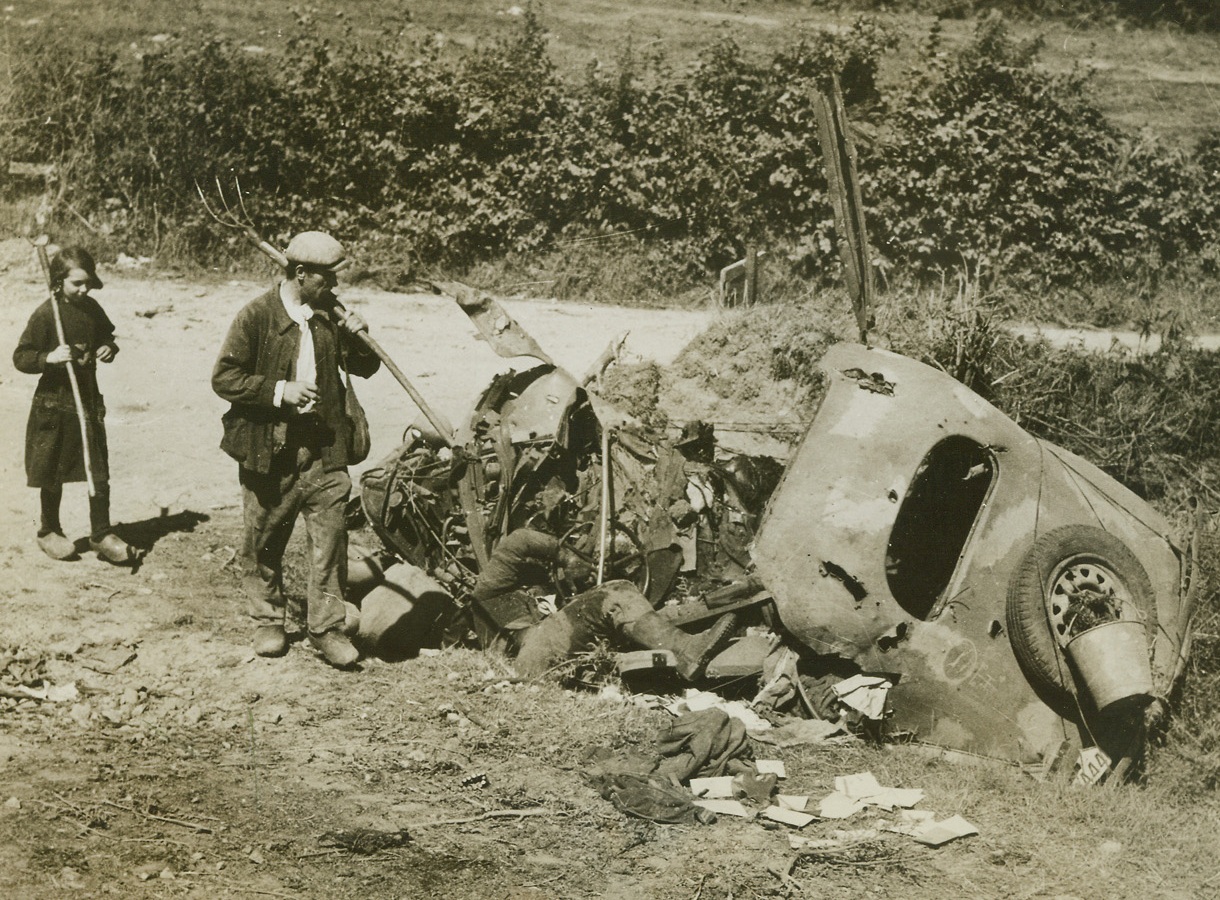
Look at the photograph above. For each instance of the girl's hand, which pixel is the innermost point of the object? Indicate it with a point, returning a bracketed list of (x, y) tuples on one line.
[(107, 352), (60, 355)]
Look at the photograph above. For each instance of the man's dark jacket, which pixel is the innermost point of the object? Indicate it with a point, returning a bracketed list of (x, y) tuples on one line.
[(260, 350)]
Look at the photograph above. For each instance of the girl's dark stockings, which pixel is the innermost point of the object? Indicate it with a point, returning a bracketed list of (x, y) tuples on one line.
[(99, 511)]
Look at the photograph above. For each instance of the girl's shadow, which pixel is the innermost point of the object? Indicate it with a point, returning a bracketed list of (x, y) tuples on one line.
[(142, 536)]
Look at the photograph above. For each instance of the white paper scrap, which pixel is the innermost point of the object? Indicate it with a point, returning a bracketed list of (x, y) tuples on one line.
[(788, 816), (936, 833), (858, 786), (864, 693), (695, 700), (771, 767), (63, 693), (725, 807), (790, 801), (719, 786), (839, 806), (896, 798)]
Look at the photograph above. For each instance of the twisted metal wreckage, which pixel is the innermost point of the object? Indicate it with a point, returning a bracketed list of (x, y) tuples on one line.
[(916, 534), (1018, 602)]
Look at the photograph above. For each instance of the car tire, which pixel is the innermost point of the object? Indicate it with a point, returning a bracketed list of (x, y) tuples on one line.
[(1035, 626)]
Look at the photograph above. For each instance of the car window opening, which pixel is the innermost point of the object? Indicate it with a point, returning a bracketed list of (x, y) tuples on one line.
[(935, 520)]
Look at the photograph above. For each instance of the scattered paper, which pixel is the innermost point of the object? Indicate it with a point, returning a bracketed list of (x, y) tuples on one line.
[(724, 807), (839, 806), (718, 786), (63, 693), (695, 700), (936, 833), (54, 693), (896, 798), (862, 784), (790, 801), (854, 792), (788, 816), (864, 693), (771, 766)]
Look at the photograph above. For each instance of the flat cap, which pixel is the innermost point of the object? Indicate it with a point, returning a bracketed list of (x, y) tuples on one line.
[(316, 248)]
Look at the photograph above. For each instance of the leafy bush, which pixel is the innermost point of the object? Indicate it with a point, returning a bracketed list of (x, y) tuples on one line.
[(997, 167), (432, 158), (1149, 420)]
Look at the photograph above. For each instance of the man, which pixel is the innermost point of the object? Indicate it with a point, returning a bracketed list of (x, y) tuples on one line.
[(615, 611), (288, 430)]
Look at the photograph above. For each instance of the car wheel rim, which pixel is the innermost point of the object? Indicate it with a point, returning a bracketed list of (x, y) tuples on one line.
[(1069, 581)]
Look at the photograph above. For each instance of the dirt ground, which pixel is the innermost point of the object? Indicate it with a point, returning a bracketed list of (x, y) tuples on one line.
[(184, 766), (192, 703)]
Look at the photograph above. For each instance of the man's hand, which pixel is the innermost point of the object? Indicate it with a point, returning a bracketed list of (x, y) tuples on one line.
[(354, 323), (300, 393), (60, 355), (107, 352)]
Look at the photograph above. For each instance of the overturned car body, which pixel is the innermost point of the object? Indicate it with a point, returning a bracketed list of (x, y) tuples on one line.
[(920, 532), (916, 533)]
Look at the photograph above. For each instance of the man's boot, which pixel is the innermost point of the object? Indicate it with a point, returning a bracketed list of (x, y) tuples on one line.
[(694, 651), (335, 648)]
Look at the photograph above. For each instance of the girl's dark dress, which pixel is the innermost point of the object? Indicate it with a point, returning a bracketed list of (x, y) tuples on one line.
[(52, 439)]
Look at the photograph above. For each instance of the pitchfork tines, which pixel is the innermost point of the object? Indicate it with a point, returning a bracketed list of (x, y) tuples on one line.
[(237, 218)]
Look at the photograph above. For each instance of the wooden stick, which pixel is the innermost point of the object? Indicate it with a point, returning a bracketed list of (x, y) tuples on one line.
[(70, 365), (607, 499), (492, 814), (201, 829)]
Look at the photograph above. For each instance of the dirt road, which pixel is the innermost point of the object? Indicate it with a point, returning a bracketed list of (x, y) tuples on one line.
[(163, 420), (158, 659)]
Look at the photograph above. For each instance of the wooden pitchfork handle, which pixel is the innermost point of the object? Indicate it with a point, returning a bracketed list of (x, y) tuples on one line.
[(443, 429), (41, 245)]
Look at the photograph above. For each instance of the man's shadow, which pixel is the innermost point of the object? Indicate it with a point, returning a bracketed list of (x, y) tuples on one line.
[(142, 536)]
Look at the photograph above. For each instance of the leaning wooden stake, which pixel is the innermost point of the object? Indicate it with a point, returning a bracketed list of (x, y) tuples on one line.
[(840, 155), (70, 365)]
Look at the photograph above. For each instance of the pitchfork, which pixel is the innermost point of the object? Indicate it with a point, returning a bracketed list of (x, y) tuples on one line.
[(236, 218)]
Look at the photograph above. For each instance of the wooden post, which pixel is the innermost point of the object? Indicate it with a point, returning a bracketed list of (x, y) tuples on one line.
[(840, 155), (749, 291)]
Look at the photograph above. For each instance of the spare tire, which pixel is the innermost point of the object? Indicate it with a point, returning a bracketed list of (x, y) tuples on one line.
[(1060, 562)]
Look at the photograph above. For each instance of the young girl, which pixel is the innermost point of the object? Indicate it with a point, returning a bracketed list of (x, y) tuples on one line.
[(54, 454)]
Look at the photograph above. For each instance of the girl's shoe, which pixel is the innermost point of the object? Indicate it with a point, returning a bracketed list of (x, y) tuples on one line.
[(56, 546), (113, 549)]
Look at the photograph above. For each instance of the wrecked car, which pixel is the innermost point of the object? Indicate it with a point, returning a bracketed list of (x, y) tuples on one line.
[(920, 532), (915, 533)]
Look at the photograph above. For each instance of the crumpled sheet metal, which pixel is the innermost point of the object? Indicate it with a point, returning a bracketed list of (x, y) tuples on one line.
[(495, 325)]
